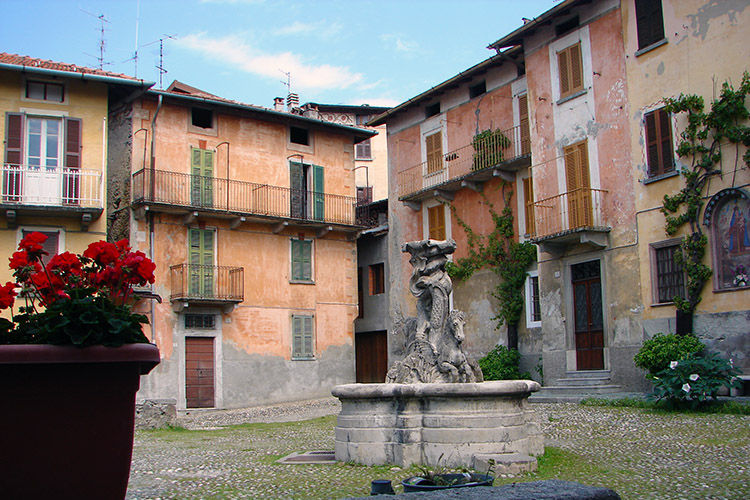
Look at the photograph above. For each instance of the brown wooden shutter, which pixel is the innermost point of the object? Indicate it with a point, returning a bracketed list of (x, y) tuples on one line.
[(523, 122), (73, 142), (436, 222), (665, 136), (659, 153), (13, 138), (649, 21), (528, 195), (579, 192), (562, 62), (434, 145), (652, 145)]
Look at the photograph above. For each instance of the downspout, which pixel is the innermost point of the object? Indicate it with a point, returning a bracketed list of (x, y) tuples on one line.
[(151, 214)]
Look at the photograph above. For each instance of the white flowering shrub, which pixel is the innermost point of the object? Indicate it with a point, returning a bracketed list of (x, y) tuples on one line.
[(695, 380)]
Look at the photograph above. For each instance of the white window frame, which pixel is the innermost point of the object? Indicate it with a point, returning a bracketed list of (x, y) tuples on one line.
[(426, 205), (530, 323), (60, 235)]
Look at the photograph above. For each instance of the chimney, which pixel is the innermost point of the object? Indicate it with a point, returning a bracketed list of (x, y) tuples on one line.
[(292, 101), (278, 104)]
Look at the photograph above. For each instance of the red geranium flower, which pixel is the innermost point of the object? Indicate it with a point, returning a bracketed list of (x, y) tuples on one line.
[(65, 262), (102, 253), (32, 243), (7, 294)]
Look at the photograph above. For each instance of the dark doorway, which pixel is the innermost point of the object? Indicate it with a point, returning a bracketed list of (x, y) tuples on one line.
[(371, 351), (199, 372), (587, 309)]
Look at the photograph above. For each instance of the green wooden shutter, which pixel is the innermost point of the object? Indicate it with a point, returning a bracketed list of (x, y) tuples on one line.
[(195, 176), (301, 260), (201, 260), (297, 329), (318, 196), (208, 178), (194, 261), (208, 263), (307, 336), (296, 261), (201, 180)]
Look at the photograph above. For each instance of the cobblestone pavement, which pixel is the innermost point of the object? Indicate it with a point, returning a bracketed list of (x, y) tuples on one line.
[(638, 453)]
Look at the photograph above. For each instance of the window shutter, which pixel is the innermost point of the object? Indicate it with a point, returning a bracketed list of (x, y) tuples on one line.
[(13, 138), (307, 336), (652, 145), (583, 163), (562, 62), (73, 143), (659, 153), (318, 193), (528, 194), (306, 260), (571, 167), (434, 145), (665, 132), (297, 329), (195, 176), (207, 171), (649, 21), (523, 122), (436, 222), (51, 244), (296, 260), (576, 68)]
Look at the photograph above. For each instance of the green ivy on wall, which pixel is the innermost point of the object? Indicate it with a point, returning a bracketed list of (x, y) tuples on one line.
[(500, 252), (701, 141)]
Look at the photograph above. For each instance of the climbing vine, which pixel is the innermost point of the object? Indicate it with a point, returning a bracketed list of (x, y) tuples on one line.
[(701, 141), (498, 251)]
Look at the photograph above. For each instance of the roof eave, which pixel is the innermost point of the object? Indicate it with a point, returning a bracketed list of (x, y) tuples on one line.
[(514, 38), (76, 75)]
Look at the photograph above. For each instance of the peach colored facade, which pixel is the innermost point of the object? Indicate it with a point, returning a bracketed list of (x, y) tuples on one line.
[(247, 305), (685, 61)]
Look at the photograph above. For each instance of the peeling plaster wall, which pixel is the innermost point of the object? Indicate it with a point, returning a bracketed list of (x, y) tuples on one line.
[(252, 343), (705, 45)]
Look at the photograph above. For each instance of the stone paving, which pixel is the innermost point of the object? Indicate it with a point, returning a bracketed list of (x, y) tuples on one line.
[(638, 453)]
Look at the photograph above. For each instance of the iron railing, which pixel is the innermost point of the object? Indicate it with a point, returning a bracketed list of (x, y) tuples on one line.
[(51, 186), (208, 283), (196, 191), (489, 152), (576, 209)]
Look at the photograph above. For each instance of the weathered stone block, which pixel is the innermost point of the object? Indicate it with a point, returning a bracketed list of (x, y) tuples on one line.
[(155, 413)]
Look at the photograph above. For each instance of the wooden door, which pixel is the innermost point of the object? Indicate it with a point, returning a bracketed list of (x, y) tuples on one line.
[(199, 372), (588, 314), (579, 187), (371, 352)]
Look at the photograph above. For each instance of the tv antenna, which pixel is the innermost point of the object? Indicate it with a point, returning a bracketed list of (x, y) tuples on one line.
[(160, 67), (288, 81), (102, 42)]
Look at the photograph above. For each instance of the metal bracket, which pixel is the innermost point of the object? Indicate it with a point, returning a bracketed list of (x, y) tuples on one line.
[(190, 218), (279, 227), (236, 222), (476, 186)]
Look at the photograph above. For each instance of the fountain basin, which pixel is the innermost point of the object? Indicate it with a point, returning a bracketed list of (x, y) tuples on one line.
[(436, 424)]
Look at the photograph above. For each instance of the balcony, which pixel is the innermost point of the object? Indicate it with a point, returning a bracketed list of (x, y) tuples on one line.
[(206, 285), (51, 191), (498, 155), (571, 218), (174, 192)]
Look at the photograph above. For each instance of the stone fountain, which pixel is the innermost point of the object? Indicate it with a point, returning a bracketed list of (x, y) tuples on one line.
[(434, 408)]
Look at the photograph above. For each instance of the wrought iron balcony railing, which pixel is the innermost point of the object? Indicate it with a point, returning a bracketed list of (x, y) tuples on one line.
[(576, 209), (207, 283), (51, 186), (489, 152), (240, 197)]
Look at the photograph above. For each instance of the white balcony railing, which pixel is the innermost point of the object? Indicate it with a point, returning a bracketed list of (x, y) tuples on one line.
[(51, 186)]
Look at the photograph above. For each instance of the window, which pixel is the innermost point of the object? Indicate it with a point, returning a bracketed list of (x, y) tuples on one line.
[(668, 277), (528, 199), (200, 321), (302, 337), (436, 222), (579, 188), (302, 260), (649, 21), (299, 135), (478, 89), (44, 91), (203, 118), (51, 245), (364, 195), (571, 70), (533, 304), (434, 147), (363, 150), (432, 110), (201, 262), (377, 279), (659, 153)]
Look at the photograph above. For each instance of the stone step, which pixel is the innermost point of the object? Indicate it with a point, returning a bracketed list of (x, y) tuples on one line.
[(582, 382), (571, 393), (588, 374), (503, 463)]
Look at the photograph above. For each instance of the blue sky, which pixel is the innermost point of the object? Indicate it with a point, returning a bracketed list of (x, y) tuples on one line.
[(379, 52)]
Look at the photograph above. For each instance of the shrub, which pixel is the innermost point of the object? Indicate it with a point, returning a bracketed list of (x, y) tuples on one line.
[(501, 363), (657, 353), (694, 380)]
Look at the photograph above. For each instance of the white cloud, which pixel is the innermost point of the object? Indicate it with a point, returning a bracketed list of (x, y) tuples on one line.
[(320, 29), (234, 51), (399, 43), (296, 28)]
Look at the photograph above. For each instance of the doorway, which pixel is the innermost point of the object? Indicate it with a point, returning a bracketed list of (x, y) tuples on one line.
[(199, 372), (588, 315), (371, 353)]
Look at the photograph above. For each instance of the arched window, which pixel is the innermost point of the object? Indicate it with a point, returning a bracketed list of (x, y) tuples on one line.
[(728, 217)]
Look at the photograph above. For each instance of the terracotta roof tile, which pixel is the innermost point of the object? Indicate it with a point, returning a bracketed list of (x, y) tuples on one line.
[(15, 59)]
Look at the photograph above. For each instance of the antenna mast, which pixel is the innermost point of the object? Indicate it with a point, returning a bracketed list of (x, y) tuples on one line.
[(102, 42), (160, 67)]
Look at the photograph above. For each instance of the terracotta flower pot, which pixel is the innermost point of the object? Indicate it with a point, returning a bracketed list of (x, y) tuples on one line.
[(66, 424)]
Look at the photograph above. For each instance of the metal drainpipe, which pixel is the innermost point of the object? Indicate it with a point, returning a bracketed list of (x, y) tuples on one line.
[(150, 214)]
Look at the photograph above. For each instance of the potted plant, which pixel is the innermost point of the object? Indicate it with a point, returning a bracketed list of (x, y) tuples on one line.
[(443, 479), (489, 146), (70, 365)]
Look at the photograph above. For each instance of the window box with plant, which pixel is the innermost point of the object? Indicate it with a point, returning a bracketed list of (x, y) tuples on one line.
[(489, 149), (70, 365)]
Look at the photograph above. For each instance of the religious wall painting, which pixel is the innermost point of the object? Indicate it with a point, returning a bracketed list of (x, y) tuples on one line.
[(728, 217)]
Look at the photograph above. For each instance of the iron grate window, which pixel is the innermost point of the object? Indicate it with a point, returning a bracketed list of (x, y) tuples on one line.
[(536, 307), (200, 321), (670, 277)]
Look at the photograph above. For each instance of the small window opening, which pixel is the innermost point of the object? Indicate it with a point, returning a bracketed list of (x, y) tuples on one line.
[(200, 321), (432, 110), (478, 89), (299, 136), (45, 91), (566, 26), (203, 118)]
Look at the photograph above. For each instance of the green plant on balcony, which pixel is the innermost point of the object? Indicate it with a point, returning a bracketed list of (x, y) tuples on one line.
[(488, 149)]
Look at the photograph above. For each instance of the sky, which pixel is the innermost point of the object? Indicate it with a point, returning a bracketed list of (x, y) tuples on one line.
[(380, 52)]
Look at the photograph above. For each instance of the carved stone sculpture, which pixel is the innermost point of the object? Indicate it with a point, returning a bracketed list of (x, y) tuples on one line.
[(433, 339)]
